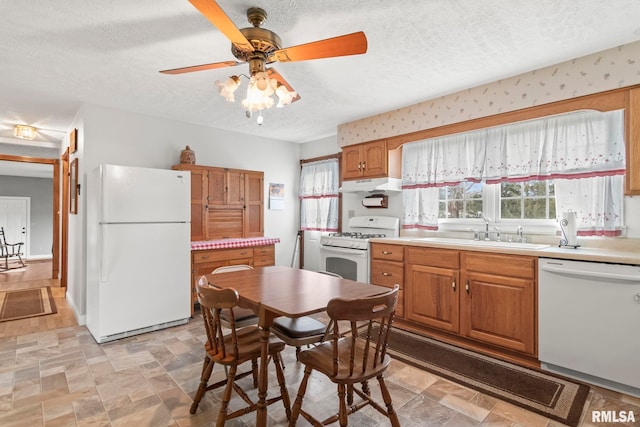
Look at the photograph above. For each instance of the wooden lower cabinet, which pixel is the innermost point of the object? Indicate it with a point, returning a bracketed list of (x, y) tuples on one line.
[(485, 298), (205, 261), (432, 288), (498, 305), (432, 297)]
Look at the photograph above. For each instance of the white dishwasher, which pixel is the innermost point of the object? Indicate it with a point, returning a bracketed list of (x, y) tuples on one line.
[(589, 322)]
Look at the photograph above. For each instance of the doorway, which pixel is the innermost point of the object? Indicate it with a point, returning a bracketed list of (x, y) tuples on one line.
[(55, 261), (14, 217)]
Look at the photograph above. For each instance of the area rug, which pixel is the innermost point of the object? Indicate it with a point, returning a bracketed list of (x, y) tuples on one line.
[(24, 303), (551, 396)]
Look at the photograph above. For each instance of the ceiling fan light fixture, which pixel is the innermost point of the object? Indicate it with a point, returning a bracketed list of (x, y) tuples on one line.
[(259, 92), (285, 96), (25, 132), (227, 88), (256, 100)]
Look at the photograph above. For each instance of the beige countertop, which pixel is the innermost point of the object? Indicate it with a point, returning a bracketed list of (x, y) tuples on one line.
[(626, 253)]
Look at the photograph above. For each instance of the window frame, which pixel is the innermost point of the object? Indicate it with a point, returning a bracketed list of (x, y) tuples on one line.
[(491, 209)]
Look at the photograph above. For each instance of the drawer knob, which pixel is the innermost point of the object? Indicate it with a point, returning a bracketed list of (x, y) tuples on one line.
[(386, 274), (386, 253), (205, 257)]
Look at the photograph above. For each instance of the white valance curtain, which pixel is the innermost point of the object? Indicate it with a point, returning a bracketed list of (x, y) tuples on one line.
[(584, 144), (319, 182)]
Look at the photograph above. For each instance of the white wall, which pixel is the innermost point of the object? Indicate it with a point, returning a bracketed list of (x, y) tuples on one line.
[(112, 136)]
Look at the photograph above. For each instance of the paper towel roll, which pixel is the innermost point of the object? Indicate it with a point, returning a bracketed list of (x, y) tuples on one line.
[(375, 202), (569, 225)]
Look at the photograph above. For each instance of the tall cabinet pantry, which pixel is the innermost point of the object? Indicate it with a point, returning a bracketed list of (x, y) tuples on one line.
[(225, 203)]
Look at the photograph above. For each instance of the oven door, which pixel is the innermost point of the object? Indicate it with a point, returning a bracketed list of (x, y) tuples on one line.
[(351, 264)]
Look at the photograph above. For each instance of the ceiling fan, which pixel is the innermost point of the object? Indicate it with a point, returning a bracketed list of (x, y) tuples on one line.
[(259, 46)]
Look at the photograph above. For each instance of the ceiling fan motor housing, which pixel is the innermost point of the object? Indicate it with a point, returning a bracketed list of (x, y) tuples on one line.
[(262, 40)]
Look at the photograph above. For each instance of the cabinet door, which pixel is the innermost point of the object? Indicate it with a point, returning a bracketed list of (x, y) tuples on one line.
[(632, 177), (217, 185), (253, 204), (499, 310), (431, 296), (198, 204), (374, 159), (234, 188), (352, 162)]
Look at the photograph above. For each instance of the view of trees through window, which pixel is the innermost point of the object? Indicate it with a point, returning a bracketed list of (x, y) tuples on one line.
[(518, 200), (527, 200), (461, 201)]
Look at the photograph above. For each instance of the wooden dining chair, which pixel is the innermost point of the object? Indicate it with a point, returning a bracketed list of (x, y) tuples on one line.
[(352, 359), (244, 316), (301, 331), (231, 350)]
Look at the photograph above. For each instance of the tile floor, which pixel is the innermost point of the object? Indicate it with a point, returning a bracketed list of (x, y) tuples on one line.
[(56, 375)]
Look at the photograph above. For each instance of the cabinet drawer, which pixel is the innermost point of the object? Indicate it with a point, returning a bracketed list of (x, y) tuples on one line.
[(388, 252), (444, 258), (260, 251), (502, 265), (385, 273), (259, 261), (222, 254)]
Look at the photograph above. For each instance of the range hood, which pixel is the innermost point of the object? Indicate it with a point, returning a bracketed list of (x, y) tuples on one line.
[(372, 184)]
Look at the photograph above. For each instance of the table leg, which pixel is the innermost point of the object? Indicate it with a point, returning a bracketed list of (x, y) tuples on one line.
[(266, 320)]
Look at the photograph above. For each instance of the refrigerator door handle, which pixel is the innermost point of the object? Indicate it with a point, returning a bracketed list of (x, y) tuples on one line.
[(103, 253)]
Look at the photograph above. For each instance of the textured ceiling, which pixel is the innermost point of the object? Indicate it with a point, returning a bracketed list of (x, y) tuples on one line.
[(57, 55)]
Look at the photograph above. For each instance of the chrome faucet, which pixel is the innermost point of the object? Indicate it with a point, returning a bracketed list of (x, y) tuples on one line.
[(521, 238), (486, 225), (497, 230)]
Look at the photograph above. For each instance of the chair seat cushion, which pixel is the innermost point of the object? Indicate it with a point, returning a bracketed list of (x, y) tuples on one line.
[(299, 327), (239, 313)]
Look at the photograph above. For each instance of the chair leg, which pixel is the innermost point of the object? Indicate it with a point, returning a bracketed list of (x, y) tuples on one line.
[(386, 396), (283, 385), (207, 368), (302, 389), (226, 397), (342, 413), (254, 370)]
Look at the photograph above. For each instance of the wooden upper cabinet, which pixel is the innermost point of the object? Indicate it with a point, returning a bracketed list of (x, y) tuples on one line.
[(226, 187), (632, 143), (253, 204), (225, 203), (369, 160), (198, 204)]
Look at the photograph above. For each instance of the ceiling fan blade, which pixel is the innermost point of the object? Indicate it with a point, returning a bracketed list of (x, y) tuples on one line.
[(202, 67), (214, 13), (276, 75), (348, 44)]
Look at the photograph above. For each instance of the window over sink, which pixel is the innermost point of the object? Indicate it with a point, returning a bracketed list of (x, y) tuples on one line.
[(527, 172)]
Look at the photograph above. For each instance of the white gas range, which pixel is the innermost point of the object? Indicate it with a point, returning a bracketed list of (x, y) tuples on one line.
[(347, 253)]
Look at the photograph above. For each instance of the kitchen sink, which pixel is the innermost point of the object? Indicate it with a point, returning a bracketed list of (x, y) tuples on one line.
[(482, 243)]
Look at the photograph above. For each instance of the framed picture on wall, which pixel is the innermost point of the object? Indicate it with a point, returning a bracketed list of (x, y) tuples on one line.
[(73, 186), (73, 141)]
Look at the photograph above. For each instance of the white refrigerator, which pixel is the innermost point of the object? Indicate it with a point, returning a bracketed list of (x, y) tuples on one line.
[(138, 250)]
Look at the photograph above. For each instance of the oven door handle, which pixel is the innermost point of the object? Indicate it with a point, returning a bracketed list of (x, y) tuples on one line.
[(344, 251)]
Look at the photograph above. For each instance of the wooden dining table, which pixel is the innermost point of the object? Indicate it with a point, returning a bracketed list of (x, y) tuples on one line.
[(276, 291)]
